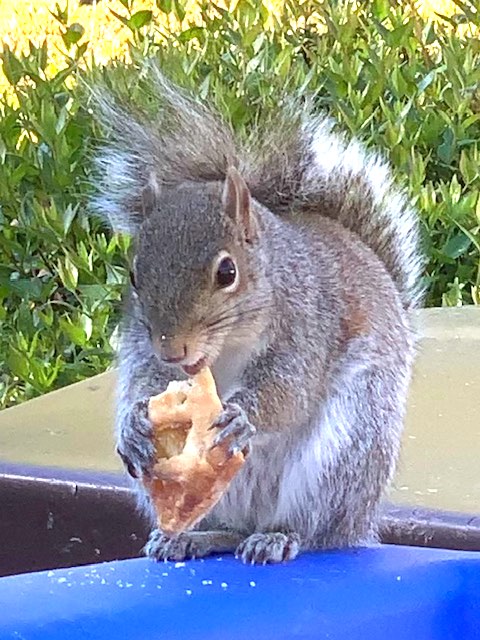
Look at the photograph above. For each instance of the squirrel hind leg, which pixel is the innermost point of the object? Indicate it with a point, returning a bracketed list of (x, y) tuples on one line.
[(271, 548)]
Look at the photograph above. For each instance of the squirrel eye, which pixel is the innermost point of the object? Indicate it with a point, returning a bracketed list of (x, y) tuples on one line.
[(226, 273)]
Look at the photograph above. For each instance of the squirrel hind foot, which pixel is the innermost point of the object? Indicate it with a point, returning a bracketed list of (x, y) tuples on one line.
[(269, 548)]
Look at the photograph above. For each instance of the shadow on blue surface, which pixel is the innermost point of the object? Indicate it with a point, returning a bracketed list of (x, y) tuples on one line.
[(388, 593)]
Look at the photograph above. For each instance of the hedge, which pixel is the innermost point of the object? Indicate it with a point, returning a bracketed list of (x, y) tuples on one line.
[(402, 83)]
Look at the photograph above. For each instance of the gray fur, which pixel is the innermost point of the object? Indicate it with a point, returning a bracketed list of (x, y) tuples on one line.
[(315, 347)]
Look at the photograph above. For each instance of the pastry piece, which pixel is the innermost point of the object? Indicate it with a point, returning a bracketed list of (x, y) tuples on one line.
[(189, 476)]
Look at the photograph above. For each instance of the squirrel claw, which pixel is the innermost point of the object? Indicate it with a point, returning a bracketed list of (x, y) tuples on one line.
[(178, 548), (235, 427), (263, 548), (135, 446), (231, 410), (190, 544), (130, 467)]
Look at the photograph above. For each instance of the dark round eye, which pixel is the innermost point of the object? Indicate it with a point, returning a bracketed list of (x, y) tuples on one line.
[(226, 273)]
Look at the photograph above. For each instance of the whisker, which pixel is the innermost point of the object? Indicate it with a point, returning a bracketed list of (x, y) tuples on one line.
[(229, 323), (233, 305), (242, 314)]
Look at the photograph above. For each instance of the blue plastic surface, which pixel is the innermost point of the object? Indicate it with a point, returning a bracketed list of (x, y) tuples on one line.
[(385, 593)]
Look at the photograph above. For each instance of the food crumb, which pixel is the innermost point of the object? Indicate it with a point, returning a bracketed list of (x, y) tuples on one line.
[(224, 585), (252, 583), (179, 564), (399, 578), (61, 580), (207, 582), (188, 592), (103, 581), (165, 574), (50, 574)]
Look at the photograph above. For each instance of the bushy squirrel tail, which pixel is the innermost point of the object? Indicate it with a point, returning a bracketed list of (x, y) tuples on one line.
[(292, 161), (303, 165), (184, 141)]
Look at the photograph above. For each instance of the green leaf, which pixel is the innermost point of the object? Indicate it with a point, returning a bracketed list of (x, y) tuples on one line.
[(73, 34), (446, 150), (122, 19), (400, 35), (81, 49), (12, 67), (427, 79), (164, 5), (75, 332), (17, 362), (470, 10), (380, 9), (456, 246), (474, 237), (140, 19), (28, 288), (398, 81), (191, 33), (178, 9), (43, 57), (68, 217), (87, 325), (61, 15), (454, 296), (68, 273)]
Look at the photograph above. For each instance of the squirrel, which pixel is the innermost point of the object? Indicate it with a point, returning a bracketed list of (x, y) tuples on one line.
[(288, 262)]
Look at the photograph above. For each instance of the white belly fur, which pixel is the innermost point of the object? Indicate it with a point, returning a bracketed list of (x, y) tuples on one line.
[(282, 485)]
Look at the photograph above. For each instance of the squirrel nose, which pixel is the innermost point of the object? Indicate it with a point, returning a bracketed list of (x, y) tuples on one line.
[(172, 350)]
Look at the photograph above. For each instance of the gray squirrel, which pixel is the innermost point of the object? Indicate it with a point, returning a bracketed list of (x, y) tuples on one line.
[(288, 262)]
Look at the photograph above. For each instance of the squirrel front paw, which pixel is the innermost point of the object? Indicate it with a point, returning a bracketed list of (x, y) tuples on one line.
[(235, 428), (178, 548), (263, 548), (135, 444), (191, 544)]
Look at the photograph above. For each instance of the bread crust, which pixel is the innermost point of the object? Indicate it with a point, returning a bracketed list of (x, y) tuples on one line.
[(190, 474)]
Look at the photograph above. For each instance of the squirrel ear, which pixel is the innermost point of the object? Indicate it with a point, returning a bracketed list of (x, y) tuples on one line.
[(236, 202)]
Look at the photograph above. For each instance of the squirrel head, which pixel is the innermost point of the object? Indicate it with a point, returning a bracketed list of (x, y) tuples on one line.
[(200, 271)]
